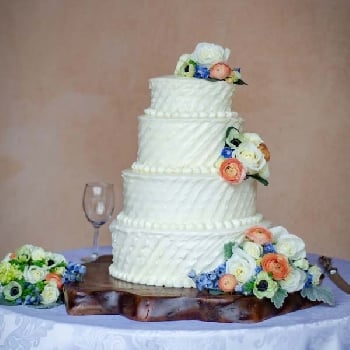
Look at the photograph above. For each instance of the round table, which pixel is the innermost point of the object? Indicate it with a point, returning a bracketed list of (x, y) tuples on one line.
[(321, 327)]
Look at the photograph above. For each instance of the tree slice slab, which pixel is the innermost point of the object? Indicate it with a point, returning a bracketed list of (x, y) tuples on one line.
[(101, 294)]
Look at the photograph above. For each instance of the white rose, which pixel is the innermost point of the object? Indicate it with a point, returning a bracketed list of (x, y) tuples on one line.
[(301, 264), (252, 138), (292, 246), (316, 273), (38, 253), (252, 249), (265, 172), (50, 293), (251, 157), (294, 281), (241, 265), (208, 54), (34, 274)]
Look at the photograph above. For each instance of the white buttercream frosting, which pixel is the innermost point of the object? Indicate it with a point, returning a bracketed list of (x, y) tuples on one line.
[(181, 145), (174, 96), (178, 212)]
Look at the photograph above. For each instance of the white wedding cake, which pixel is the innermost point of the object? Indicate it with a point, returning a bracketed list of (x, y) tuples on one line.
[(193, 185)]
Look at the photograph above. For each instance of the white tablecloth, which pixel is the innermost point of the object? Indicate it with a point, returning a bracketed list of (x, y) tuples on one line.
[(318, 328)]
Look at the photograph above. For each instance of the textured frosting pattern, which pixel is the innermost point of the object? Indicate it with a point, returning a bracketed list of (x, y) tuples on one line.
[(194, 98), (178, 212), (165, 259), (186, 199), (181, 144)]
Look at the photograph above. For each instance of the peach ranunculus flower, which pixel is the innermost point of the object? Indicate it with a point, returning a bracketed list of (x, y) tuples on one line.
[(227, 282), (220, 71), (277, 265), (232, 170), (259, 235), (55, 278)]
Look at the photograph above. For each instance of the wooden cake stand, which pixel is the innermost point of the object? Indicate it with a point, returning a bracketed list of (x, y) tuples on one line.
[(101, 294)]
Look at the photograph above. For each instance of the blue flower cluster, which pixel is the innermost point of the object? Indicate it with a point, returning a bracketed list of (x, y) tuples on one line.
[(201, 72), (74, 272), (268, 248), (208, 280), (32, 298)]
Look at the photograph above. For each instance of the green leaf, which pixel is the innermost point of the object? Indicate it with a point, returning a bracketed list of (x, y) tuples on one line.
[(240, 82), (279, 297), (216, 292), (228, 250), (318, 293), (259, 178)]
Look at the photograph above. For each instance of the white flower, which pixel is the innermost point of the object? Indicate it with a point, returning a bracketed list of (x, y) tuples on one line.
[(241, 265), (50, 293), (38, 253), (252, 138), (292, 246), (181, 61), (251, 157), (265, 171), (316, 273), (208, 54), (55, 259), (34, 274), (253, 249), (7, 258), (59, 270), (25, 252), (294, 281), (301, 264)]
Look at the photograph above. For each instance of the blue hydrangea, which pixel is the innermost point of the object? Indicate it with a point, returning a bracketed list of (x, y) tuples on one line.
[(226, 152), (308, 282), (201, 72), (268, 248)]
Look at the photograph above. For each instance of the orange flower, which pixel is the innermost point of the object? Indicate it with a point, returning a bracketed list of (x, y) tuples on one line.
[(12, 256), (276, 264), (227, 282), (265, 151), (56, 278), (259, 235), (220, 71), (232, 170)]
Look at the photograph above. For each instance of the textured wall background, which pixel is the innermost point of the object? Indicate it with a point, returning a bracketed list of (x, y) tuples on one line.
[(74, 78)]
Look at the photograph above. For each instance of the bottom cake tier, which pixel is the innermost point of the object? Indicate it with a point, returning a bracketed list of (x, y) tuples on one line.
[(157, 258), (101, 294)]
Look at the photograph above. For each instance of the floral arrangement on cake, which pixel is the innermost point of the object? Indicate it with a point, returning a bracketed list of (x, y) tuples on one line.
[(208, 61), (33, 276), (244, 155), (268, 263)]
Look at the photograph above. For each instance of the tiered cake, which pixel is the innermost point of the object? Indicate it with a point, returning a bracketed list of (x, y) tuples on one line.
[(182, 202)]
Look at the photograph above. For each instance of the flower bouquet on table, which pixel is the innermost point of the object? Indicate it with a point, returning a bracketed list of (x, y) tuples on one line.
[(33, 276), (268, 263)]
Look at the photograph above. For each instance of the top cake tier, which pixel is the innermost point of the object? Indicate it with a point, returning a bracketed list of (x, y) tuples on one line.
[(175, 96)]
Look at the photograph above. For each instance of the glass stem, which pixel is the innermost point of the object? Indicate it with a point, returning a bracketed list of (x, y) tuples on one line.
[(95, 241)]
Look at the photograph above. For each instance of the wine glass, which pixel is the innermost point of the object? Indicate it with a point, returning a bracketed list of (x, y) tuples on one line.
[(98, 205)]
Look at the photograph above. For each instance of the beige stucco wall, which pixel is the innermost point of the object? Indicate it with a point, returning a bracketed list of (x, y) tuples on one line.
[(73, 79)]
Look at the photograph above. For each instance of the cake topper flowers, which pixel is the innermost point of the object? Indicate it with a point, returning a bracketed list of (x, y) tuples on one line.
[(248, 152), (268, 263), (208, 61), (33, 276)]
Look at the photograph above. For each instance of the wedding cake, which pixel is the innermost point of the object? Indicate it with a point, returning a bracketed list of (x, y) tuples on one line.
[(193, 186)]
